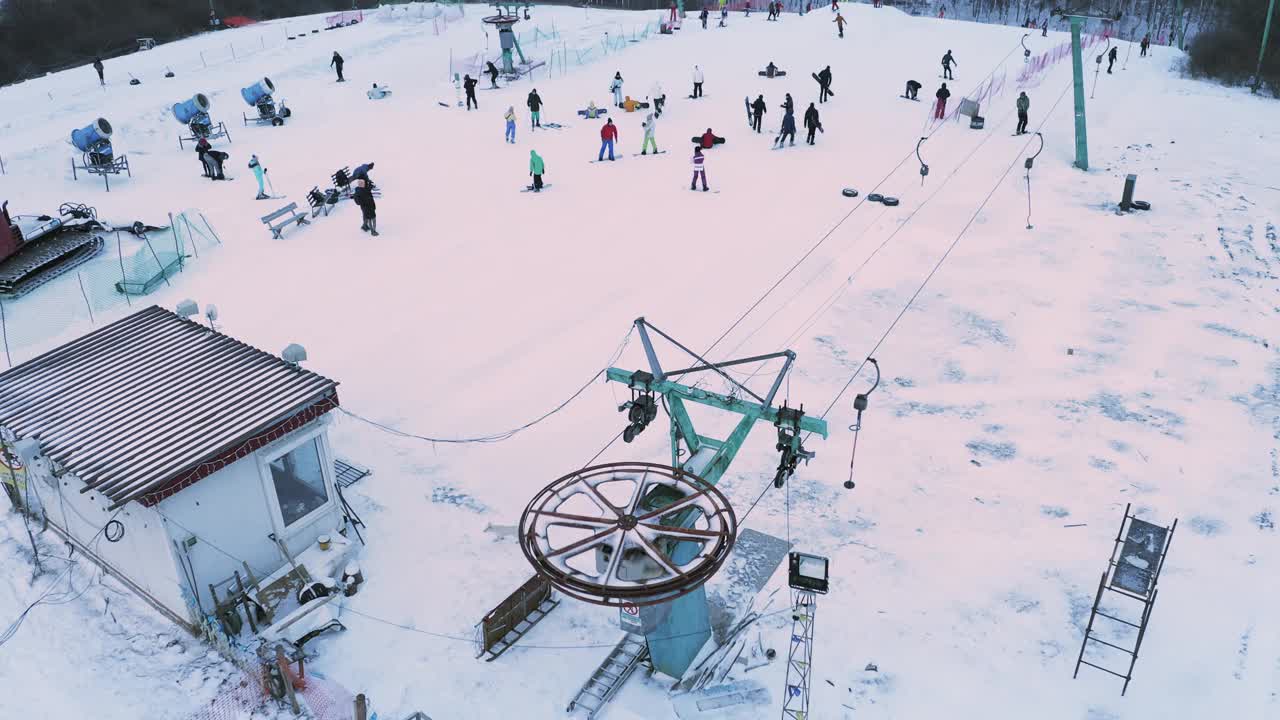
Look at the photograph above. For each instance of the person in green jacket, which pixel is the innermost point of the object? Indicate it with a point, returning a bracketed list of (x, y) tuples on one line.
[(536, 168), (649, 140), (1024, 104)]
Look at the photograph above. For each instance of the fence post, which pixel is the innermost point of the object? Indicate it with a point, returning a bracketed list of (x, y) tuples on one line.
[(202, 60), (362, 707), (233, 51)]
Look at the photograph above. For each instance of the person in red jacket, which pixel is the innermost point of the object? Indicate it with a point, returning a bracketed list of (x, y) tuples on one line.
[(608, 135), (940, 109), (708, 140)]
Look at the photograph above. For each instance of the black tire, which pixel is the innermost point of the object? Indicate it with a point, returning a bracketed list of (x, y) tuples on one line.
[(890, 201), (1142, 204), (849, 192), (875, 197)]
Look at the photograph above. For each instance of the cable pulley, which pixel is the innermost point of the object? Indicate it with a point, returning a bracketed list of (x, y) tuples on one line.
[(642, 408), (789, 443), (859, 404)]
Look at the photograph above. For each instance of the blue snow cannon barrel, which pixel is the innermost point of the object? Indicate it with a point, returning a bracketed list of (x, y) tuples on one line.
[(257, 91), (188, 110), (87, 137)]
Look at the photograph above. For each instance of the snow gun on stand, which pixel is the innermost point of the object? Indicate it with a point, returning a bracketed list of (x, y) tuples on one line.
[(260, 95), (194, 113), (97, 154)]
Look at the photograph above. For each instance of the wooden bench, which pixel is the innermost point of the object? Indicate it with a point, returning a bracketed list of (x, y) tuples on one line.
[(280, 219)]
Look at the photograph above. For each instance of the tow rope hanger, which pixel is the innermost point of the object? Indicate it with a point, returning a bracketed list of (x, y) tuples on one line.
[(924, 169), (1030, 162), (1026, 52), (860, 404)]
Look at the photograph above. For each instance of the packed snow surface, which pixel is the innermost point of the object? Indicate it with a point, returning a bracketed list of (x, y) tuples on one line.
[(1041, 380)]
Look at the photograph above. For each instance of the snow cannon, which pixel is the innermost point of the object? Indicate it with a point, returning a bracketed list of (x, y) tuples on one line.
[(259, 91), (94, 137), (197, 108)]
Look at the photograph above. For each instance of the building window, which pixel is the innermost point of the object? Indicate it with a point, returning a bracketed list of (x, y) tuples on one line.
[(299, 481)]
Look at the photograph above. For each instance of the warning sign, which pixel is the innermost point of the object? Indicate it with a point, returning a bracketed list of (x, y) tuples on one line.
[(629, 619)]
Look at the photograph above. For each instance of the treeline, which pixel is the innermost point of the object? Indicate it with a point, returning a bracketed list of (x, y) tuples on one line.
[(1229, 51), (40, 36)]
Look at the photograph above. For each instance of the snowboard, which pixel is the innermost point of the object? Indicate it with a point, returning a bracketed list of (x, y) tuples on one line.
[(697, 140), (552, 126), (709, 192), (690, 97), (829, 90), (617, 158), (529, 188), (776, 73), (659, 152), (904, 97)]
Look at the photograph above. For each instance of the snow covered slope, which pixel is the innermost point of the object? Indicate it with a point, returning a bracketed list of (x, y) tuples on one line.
[(481, 307)]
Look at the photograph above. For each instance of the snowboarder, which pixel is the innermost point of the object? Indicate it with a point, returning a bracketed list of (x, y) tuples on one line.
[(510, 117), (708, 140), (788, 124), (947, 60), (773, 13), (811, 122), (824, 84), (724, 14), (616, 88), (913, 88), (835, 6), (1044, 29), (260, 174), (699, 169), (336, 63), (788, 105), (363, 197), (469, 85), (492, 70), (535, 109), (941, 110), (536, 168), (758, 109), (659, 98), (1111, 58), (746, 10), (770, 70), (839, 21), (1024, 104), (608, 134), (97, 65), (703, 17), (649, 140), (697, 82), (210, 159), (1146, 43), (377, 93)]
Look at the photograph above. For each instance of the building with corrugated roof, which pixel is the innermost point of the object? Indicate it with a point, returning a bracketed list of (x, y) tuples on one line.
[(174, 455)]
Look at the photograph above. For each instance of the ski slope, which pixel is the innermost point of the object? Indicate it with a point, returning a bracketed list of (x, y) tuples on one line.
[(1033, 378)]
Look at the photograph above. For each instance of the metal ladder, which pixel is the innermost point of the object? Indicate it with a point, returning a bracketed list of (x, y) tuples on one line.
[(612, 674)]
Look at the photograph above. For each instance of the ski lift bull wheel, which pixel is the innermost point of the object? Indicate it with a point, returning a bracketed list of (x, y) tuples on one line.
[(632, 532)]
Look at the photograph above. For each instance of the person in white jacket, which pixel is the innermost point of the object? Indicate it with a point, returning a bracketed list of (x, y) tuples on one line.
[(616, 87), (659, 98), (649, 128), (697, 82)]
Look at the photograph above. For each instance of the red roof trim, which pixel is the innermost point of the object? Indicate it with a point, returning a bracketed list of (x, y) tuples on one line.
[(253, 444)]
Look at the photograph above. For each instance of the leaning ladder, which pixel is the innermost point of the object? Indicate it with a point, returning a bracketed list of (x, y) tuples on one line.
[(612, 674), (795, 700)]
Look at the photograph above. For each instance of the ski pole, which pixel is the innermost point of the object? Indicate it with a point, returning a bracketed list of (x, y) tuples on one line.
[(267, 175)]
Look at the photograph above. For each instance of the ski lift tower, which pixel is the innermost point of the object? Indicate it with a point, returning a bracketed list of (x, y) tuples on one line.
[(642, 536), (1077, 69), (508, 15)]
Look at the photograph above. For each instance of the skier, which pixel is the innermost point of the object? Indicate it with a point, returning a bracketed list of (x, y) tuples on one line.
[(97, 65), (811, 122), (824, 83), (336, 63), (746, 11), (913, 88), (1111, 58), (1146, 43), (942, 95), (493, 75), (363, 197), (788, 125), (469, 85), (510, 117), (697, 82), (773, 12), (659, 97), (839, 21), (946, 66), (535, 109), (699, 169), (616, 88), (1044, 29), (724, 14), (536, 168), (649, 140), (608, 134), (1024, 104), (758, 110), (260, 174)]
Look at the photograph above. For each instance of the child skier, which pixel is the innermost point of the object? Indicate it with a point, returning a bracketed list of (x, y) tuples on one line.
[(536, 168), (947, 60), (648, 126), (259, 173), (510, 117), (608, 135)]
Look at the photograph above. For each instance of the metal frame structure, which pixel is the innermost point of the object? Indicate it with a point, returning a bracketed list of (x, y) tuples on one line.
[(1133, 571), (114, 166), (795, 699), (1077, 70)]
